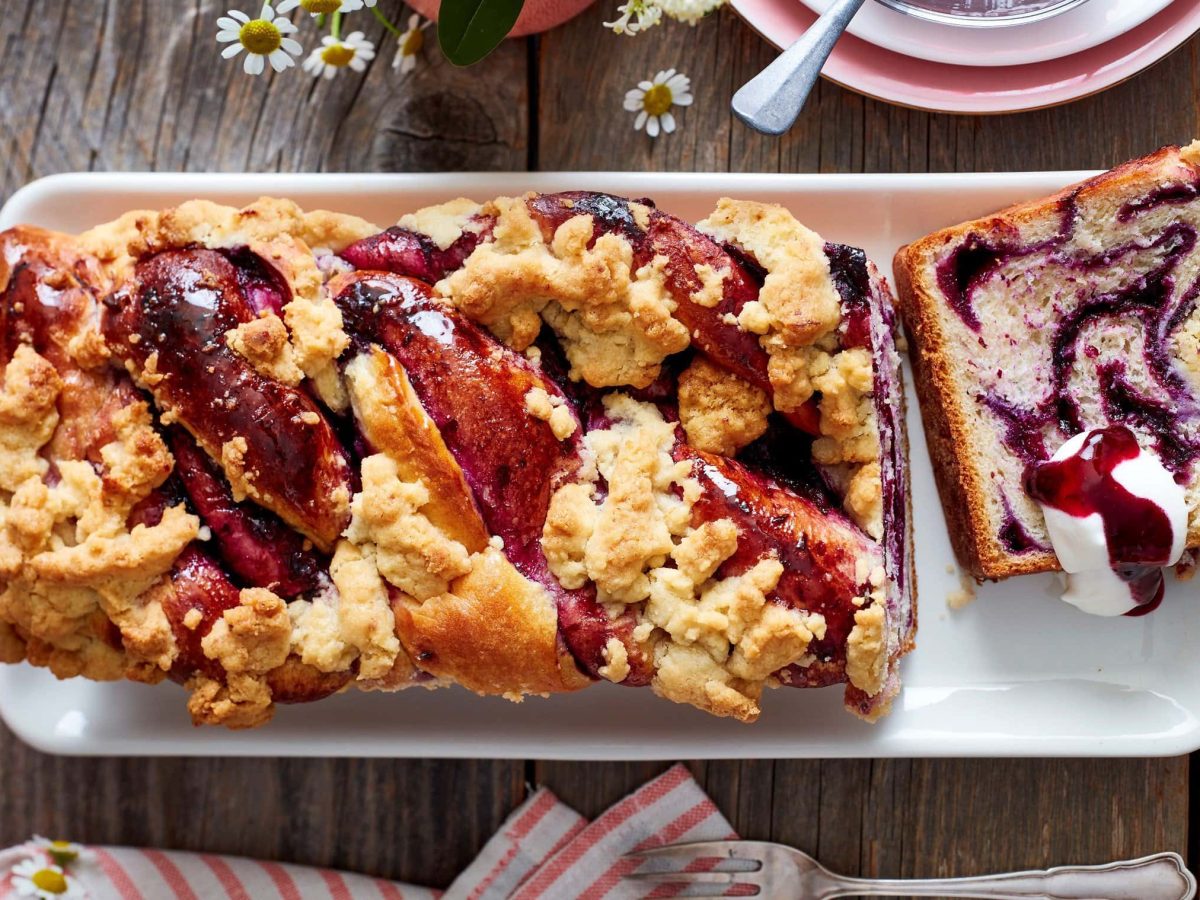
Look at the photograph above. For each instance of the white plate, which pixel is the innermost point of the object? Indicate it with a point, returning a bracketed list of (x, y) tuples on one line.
[(1088, 25), (1017, 673)]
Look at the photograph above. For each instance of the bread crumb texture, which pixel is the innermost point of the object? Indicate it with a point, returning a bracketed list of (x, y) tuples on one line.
[(715, 642), (82, 590), (551, 409), (614, 321), (247, 642), (443, 223), (720, 412), (963, 595), (796, 316)]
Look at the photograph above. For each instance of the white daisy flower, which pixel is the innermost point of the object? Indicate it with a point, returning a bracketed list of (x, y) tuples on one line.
[(337, 53), (264, 39), (690, 11), (32, 879), (411, 44), (646, 12), (652, 101), (321, 7), (62, 852)]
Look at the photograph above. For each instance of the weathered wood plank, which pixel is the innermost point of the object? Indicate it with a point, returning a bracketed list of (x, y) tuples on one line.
[(141, 85)]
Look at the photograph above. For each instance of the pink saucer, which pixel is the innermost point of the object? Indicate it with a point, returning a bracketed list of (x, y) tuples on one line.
[(889, 76)]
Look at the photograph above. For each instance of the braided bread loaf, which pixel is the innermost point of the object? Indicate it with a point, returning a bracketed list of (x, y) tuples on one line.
[(517, 446)]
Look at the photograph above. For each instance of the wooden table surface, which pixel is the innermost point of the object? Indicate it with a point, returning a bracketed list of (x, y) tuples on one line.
[(137, 84)]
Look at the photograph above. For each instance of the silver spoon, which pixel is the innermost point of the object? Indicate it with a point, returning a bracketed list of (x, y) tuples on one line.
[(771, 100)]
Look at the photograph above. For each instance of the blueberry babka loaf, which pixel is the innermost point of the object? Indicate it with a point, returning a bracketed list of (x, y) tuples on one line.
[(1053, 342), (518, 446)]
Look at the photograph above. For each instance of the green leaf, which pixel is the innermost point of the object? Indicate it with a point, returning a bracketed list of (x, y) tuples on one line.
[(468, 30)]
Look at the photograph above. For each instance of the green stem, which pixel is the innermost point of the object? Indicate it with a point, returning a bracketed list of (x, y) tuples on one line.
[(386, 22), (335, 28), (321, 22)]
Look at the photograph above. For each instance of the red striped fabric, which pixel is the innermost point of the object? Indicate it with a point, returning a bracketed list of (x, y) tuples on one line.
[(336, 884), (565, 839), (680, 826), (529, 820), (116, 873), (608, 821), (544, 842), (388, 890), (170, 873), (283, 882), (225, 876)]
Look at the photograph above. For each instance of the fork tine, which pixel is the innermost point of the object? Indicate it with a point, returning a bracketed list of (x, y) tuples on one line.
[(697, 884), (726, 878), (698, 850)]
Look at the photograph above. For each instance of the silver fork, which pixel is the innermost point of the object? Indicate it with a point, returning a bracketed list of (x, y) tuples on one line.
[(783, 872)]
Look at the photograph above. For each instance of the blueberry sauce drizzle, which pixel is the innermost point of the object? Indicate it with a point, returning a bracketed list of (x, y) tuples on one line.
[(1137, 530), (848, 268)]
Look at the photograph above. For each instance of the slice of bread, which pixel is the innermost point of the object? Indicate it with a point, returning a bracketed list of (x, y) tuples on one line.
[(1049, 318)]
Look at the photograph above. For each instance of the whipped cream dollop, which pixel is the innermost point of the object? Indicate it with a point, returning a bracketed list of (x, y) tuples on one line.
[(1116, 518)]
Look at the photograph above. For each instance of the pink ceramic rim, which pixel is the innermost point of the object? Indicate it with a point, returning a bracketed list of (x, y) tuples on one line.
[(939, 87)]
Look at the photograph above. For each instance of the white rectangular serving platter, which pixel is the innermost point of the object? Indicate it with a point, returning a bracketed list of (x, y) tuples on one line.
[(1016, 673)]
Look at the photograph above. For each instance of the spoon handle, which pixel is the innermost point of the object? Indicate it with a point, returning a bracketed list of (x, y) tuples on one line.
[(771, 100), (1159, 877)]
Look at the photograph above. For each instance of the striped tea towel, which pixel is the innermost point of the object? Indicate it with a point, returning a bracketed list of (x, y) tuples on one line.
[(544, 850)]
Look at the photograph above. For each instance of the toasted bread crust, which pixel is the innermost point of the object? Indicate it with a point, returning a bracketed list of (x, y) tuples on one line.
[(494, 632), (952, 442)]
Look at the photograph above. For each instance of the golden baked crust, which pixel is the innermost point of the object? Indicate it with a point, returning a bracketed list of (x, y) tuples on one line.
[(614, 318), (721, 412), (464, 613), (494, 631)]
